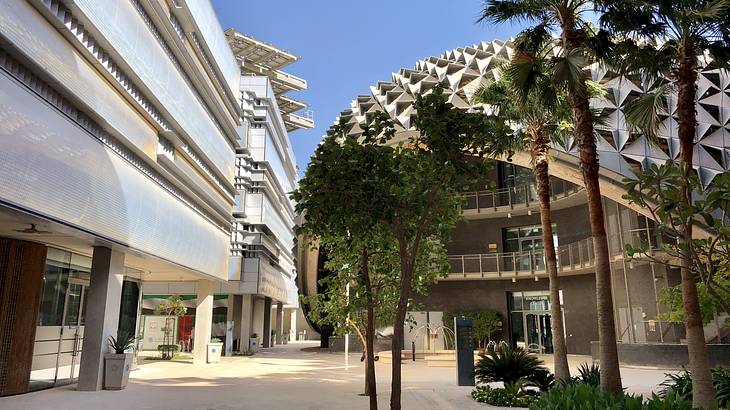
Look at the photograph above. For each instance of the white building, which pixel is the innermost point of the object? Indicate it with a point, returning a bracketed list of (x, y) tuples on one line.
[(127, 142)]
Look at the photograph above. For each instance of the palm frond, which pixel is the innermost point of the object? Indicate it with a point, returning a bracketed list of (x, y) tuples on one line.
[(568, 70), (645, 112), (503, 11)]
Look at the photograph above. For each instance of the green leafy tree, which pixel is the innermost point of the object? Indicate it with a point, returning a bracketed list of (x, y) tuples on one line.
[(659, 189), (578, 45), (407, 185), (484, 323), (664, 41), (170, 307)]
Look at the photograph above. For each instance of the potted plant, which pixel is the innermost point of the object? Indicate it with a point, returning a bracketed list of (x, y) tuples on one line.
[(253, 343), (118, 364), (172, 307), (214, 350)]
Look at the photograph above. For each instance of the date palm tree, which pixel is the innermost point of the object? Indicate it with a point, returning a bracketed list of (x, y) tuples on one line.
[(538, 112), (664, 42), (576, 47)]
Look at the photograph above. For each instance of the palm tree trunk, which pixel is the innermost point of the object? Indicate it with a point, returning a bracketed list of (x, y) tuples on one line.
[(542, 179), (703, 391), (370, 386), (583, 122), (608, 353)]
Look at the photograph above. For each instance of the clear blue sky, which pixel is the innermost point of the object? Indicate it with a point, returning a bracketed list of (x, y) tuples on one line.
[(346, 46)]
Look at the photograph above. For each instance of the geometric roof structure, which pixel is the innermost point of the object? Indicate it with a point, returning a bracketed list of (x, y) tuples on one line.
[(461, 71)]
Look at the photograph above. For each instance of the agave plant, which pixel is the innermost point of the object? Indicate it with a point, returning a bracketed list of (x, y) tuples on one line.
[(507, 364), (681, 384), (121, 343)]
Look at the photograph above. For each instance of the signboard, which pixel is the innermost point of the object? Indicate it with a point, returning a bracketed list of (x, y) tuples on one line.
[(464, 351)]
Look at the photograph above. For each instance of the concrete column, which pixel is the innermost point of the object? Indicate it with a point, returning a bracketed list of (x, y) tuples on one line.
[(203, 321), (230, 310), (246, 321), (102, 314), (293, 325), (279, 323), (21, 281), (267, 323)]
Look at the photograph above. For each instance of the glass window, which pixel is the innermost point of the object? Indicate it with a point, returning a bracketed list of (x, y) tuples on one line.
[(518, 329), (516, 301), (55, 282), (74, 294)]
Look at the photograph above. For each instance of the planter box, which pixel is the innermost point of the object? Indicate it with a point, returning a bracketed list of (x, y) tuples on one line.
[(214, 352), (116, 370), (253, 345)]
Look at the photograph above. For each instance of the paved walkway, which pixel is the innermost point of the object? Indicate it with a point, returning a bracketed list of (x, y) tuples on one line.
[(283, 377)]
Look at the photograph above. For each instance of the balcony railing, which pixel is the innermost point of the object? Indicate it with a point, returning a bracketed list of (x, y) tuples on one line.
[(571, 258), (520, 195)]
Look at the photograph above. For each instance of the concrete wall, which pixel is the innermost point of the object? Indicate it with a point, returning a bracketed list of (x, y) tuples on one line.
[(472, 236), (579, 304)]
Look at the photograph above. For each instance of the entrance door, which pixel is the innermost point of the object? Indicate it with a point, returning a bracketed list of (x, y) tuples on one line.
[(60, 331), (538, 332)]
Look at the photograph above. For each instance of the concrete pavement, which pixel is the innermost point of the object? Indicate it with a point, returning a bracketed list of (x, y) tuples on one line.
[(283, 377)]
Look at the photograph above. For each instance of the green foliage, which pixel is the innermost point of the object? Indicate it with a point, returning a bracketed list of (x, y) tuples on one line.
[(680, 384), (671, 297), (511, 396), (509, 364), (654, 35), (584, 397), (121, 343), (168, 350), (658, 189), (375, 192), (333, 307), (484, 323), (172, 306), (587, 374)]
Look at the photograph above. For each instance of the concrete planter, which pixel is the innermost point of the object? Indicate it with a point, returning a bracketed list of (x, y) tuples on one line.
[(253, 345), (214, 352), (116, 370)]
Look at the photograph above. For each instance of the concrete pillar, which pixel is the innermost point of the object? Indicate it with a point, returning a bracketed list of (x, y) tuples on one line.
[(257, 318), (246, 320), (293, 325), (230, 310), (102, 314), (203, 321), (279, 323), (21, 281), (267, 323)]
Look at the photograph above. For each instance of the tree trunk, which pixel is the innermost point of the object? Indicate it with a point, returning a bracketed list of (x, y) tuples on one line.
[(608, 354), (542, 179), (703, 391), (370, 385), (398, 326)]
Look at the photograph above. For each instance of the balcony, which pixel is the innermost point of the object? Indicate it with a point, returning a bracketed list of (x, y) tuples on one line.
[(499, 202), (572, 259)]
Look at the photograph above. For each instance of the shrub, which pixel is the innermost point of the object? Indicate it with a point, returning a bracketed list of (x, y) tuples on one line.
[(681, 384), (587, 374), (670, 401), (584, 397), (542, 379), (511, 396), (507, 364)]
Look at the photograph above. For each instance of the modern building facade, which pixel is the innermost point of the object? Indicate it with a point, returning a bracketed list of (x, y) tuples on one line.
[(259, 301), (496, 253), (132, 138)]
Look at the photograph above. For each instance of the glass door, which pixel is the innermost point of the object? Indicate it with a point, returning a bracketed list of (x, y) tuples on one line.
[(532, 331), (60, 331)]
